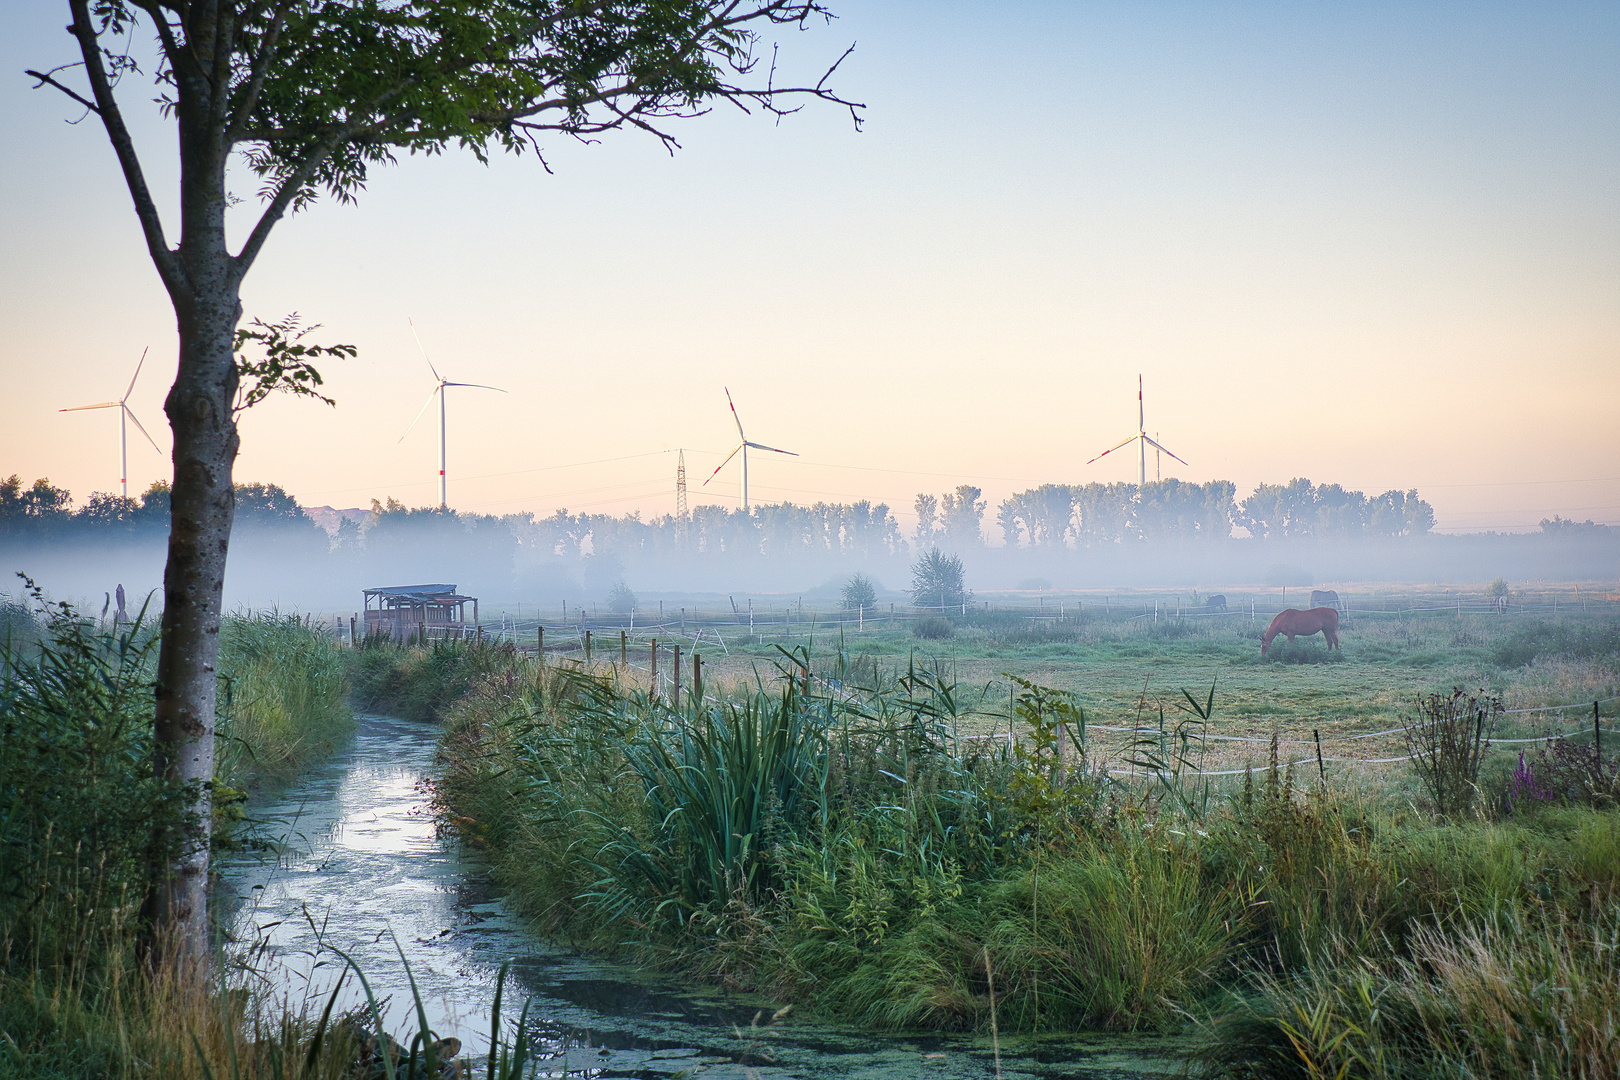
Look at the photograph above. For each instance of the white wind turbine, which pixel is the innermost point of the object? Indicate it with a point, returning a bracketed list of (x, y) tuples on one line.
[(125, 417), (439, 391), (742, 446), (1140, 436)]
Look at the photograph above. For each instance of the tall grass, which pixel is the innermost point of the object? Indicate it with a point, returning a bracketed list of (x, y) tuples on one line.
[(1507, 997), (284, 697), (82, 821), (830, 840)]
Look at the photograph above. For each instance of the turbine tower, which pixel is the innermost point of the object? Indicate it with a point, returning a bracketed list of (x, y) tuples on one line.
[(742, 446), (1140, 437), (125, 416), (439, 390)]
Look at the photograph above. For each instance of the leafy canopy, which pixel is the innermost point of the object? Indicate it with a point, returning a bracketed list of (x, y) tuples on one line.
[(316, 91)]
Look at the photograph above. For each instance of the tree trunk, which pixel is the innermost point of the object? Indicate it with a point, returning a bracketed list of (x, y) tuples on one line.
[(203, 502), (203, 509)]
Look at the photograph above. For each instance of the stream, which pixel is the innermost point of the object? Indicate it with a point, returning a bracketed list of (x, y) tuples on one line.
[(358, 867)]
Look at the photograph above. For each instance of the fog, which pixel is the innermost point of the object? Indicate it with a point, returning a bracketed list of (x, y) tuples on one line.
[(776, 554)]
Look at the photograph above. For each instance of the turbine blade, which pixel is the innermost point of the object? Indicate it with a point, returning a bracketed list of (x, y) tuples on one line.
[(423, 349), (722, 465), (772, 449), (1156, 446), (1111, 449), (425, 405), (131, 414), (734, 417), (135, 376), (103, 405), (474, 385)]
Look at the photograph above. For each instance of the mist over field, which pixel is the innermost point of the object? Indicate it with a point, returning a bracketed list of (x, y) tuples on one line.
[(1171, 537)]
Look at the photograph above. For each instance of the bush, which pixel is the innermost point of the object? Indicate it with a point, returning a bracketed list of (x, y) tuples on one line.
[(1447, 742), (620, 599), (932, 628), (859, 593)]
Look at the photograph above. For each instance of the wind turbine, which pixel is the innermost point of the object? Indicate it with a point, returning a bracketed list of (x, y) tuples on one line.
[(439, 391), (125, 416), (742, 446), (1140, 436)]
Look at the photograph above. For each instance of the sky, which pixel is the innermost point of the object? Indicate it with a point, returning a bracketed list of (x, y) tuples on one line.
[(1374, 244)]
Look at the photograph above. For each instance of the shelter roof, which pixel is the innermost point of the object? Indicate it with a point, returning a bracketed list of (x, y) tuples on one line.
[(422, 593)]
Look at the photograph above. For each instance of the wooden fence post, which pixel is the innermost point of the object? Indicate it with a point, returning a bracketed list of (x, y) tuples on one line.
[(675, 698), (624, 650)]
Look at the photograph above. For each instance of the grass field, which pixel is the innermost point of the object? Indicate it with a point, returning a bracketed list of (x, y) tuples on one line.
[(1123, 663)]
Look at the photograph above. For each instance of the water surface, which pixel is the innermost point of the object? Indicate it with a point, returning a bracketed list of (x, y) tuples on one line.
[(358, 867)]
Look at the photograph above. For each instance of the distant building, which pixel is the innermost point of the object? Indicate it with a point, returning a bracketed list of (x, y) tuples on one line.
[(402, 611)]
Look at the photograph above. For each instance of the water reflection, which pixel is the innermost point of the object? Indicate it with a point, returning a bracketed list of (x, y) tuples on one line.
[(357, 866)]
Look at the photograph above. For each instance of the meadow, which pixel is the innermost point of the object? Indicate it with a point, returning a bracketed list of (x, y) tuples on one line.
[(842, 823)]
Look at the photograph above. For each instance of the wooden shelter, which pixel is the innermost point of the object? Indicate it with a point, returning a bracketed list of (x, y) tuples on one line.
[(405, 611)]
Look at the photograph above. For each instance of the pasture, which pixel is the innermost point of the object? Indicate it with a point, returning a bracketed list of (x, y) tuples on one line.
[(1127, 656)]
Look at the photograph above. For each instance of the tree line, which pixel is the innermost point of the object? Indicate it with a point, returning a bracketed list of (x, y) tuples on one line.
[(1049, 517)]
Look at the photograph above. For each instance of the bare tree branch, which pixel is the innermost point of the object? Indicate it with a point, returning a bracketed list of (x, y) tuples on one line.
[(168, 266), (69, 91)]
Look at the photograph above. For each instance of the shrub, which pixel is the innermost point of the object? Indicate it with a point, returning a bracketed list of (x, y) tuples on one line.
[(1447, 741), (859, 593), (620, 599), (932, 628)]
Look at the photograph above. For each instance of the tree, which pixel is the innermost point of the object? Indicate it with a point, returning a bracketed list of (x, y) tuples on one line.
[(309, 96), (962, 515), (858, 593), (927, 510), (936, 581)]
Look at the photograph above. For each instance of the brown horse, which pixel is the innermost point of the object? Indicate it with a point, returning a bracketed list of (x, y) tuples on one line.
[(1320, 620)]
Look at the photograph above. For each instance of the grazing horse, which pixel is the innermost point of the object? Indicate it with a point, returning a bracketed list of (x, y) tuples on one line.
[(1321, 620), (1324, 598), (1215, 603)]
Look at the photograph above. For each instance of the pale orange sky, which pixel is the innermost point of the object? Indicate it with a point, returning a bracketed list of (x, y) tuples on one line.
[(1377, 247)]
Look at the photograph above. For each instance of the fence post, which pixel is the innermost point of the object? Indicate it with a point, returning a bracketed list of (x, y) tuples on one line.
[(675, 697), (1320, 768), (352, 641), (860, 618), (587, 648), (540, 644), (697, 676), (653, 664), (624, 650), (1597, 734)]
